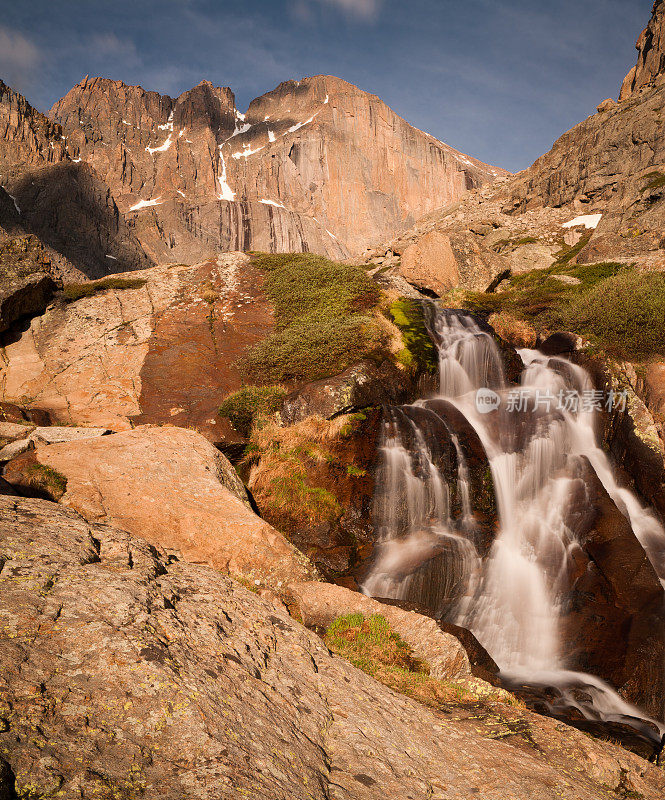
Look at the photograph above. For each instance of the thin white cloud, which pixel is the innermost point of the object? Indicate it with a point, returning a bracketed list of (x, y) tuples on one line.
[(366, 10), (19, 58), (108, 44)]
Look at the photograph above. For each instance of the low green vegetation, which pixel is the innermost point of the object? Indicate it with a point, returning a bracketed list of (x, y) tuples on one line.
[(369, 644), (568, 253), (654, 180), (46, 481), (620, 310), (419, 352), (245, 405), (326, 320), (76, 291), (625, 314)]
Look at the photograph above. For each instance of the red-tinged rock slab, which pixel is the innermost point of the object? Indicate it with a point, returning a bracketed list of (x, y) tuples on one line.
[(171, 487), (162, 350)]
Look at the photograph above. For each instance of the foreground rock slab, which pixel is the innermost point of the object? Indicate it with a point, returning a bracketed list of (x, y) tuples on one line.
[(171, 487), (126, 673)]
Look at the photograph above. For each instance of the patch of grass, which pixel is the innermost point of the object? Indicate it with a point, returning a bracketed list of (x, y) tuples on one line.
[(355, 472), (624, 314), (419, 352), (620, 310), (46, 480), (654, 180), (75, 291), (326, 319), (286, 461), (369, 644), (245, 405)]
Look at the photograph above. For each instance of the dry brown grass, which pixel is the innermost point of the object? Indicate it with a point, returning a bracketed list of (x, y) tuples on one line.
[(280, 480), (513, 330)]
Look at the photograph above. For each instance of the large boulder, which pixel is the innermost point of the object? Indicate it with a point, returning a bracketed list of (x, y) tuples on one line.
[(430, 263), (171, 487), (126, 673)]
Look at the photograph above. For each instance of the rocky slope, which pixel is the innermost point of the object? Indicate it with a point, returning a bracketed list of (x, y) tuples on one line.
[(193, 175), (128, 673), (63, 202), (602, 180)]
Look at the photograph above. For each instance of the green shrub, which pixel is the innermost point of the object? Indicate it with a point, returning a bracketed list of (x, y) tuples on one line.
[(620, 310), (324, 319), (243, 406), (624, 314), (419, 351), (76, 291)]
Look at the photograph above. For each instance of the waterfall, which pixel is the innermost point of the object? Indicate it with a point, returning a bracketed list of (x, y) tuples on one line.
[(512, 597)]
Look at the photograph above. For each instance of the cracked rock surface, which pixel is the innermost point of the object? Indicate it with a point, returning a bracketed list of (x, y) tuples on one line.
[(127, 674)]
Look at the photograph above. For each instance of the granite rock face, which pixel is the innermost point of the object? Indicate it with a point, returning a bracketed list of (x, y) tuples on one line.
[(169, 486), (316, 165), (59, 200), (128, 673), (651, 59), (158, 352), (603, 180)]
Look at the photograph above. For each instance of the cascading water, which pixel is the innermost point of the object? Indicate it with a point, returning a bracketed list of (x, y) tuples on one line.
[(513, 597)]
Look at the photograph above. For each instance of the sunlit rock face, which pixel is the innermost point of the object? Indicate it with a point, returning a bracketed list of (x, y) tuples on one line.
[(316, 165), (651, 59)]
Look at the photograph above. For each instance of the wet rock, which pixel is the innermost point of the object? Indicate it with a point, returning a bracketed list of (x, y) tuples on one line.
[(559, 344), (361, 386), (614, 626)]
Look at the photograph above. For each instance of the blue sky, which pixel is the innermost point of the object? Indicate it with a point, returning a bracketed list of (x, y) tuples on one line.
[(499, 79)]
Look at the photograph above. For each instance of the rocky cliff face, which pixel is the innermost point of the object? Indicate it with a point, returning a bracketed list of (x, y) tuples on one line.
[(61, 201), (316, 165), (651, 60)]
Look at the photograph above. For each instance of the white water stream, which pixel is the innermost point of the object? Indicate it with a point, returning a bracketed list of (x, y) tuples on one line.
[(513, 598)]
